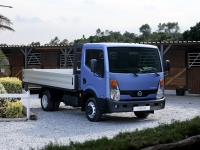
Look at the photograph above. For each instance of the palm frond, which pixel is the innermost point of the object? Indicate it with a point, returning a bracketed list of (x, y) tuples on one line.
[(5, 23), (6, 6), (6, 27), (4, 20)]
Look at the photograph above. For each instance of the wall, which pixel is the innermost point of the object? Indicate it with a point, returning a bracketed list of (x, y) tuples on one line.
[(16, 59), (177, 74)]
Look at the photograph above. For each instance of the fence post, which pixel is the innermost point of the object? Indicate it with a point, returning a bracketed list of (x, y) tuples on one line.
[(28, 105)]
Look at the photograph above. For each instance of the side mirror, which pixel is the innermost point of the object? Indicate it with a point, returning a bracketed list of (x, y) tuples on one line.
[(167, 65), (93, 64)]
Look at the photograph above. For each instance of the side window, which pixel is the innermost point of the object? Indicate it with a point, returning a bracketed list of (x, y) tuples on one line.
[(88, 57), (98, 55)]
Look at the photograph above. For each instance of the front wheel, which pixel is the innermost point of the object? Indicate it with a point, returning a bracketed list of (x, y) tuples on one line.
[(141, 114), (91, 110)]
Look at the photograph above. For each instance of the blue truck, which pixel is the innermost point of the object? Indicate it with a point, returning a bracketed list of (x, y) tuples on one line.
[(105, 78)]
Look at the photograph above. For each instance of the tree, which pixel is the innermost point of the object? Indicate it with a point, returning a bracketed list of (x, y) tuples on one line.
[(193, 34), (161, 27), (129, 37), (159, 36), (98, 32), (91, 39), (35, 43), (5, 22), (71, 43), (108, 36), (64, 42), (82, 40), (3, 44), (54, 41), (107, 33), (115, 36), (145, 30), (171, 28)]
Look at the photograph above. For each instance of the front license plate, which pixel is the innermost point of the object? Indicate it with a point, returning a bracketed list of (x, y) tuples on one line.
[(141, 108)]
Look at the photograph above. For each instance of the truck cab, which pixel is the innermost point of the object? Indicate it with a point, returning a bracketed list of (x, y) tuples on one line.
[(119, 77)]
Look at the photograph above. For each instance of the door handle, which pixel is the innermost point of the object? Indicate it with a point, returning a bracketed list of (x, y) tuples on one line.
[(84, 80)]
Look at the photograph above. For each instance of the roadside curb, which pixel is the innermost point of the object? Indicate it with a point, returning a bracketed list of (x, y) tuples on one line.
[(24, 110), (12, 119)]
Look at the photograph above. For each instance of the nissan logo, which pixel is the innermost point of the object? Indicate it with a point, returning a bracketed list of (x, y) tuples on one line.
[(139, 93)]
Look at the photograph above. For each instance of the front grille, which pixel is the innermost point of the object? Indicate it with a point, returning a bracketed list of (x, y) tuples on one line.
[(135, 93)]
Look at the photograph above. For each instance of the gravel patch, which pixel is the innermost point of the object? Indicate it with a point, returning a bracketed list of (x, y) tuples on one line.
[(70, 124)]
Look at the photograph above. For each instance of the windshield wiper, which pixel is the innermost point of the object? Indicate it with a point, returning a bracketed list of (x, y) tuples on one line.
[(157, 73), (135, 74), (125, 71), (152, 70)]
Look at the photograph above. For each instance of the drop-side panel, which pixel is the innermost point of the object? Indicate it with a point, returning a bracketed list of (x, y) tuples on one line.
[(60, 78)]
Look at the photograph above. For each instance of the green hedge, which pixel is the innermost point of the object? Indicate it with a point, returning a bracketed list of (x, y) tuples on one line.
[(12, 84), (3, 102), (14, 109), (10, 108)]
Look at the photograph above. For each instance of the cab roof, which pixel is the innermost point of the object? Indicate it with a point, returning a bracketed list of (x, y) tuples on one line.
[(118, 45)]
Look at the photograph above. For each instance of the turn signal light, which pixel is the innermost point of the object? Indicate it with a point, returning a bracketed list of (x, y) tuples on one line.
[(113, 82), (161, 81)]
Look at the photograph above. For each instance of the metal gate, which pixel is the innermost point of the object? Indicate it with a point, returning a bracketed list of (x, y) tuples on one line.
[(194, 73), (69, 60)]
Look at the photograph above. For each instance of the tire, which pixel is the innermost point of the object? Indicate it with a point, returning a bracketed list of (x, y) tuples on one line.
[(56, 105), (91, 110), (141, 114), (46, 102)]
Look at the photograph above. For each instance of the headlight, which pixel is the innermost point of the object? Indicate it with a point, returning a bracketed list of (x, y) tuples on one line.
[(114, 90), (160, 92)]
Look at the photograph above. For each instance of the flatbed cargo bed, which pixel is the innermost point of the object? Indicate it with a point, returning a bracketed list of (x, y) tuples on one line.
[(59, 78)]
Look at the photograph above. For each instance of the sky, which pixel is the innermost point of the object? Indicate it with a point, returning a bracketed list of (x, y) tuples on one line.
[(43, 20)]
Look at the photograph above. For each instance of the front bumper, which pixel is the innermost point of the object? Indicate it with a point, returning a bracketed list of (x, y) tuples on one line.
[(127, 106)]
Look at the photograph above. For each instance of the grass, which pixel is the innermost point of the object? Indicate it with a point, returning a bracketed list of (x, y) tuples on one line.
[(164, 133)]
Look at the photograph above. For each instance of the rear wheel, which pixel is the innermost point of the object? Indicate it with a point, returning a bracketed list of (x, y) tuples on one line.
[(46, 102), (92, 112), (141, 114), (56, 105)]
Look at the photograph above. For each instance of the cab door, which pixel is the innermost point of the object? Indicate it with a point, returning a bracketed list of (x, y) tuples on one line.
[(94, 81)]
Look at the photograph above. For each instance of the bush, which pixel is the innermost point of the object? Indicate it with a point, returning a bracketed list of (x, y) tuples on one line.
[(14, 109), (12, 84), (3, 102), (10, 108)]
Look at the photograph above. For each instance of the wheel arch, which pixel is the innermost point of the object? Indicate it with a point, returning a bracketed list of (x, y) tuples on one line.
[(86, 95), (42, 90), (55, 94)]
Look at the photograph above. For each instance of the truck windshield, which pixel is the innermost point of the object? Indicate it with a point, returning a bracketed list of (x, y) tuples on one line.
[(136, 60)]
